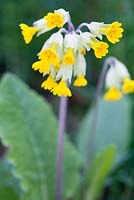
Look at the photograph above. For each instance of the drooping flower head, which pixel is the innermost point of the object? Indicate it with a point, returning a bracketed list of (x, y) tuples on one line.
[(112, 31), (118, 81), (52, 20), (62, 57)]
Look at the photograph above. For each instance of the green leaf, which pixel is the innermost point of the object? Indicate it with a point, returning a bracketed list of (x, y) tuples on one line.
[(113, 126), (98, 172), (9, 185), (29, 127)]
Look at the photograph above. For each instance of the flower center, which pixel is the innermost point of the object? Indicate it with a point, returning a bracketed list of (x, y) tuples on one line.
[(49, 55), (82, 51), (114, 32), (54, 20)]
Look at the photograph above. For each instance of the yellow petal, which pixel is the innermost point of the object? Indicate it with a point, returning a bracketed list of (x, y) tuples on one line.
[(114, 32), (54, 20), (128, 86), (27, 32), (68, 58), (49, 56), (113, 94), (80, 81), (41, 66), (62, 90), (49, 84), (100, 49)]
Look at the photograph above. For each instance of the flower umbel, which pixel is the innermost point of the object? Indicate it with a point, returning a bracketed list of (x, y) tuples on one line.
[(62, 56)]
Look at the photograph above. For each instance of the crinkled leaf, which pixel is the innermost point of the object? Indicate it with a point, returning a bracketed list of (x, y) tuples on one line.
[(29, 127)]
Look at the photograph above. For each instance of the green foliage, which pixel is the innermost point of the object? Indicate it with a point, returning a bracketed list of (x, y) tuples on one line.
[(113, 126), (98, 172), (29, 128), (121, 180), (9, 186)]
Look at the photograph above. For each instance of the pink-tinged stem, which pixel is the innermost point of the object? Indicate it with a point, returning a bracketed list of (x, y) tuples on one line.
[(70, 25), (60, 149)]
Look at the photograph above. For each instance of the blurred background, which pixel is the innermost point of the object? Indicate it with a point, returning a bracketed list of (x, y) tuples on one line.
[(16, 57)]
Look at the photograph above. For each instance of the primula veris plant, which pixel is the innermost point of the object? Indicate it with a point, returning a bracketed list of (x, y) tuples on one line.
[(118, 81), (62, 55)]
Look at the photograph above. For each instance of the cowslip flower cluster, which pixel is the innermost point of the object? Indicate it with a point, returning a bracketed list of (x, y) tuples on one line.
[(118, 81), (62, 55)]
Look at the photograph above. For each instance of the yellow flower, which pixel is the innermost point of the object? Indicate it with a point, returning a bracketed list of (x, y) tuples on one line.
[(49, 84), (128, 86), (100, 49), (49, 56), (41, 66), (113, 94), (114, 32), (80, 81), (54, 20), (68, 58), (62, 90), (28, 32)]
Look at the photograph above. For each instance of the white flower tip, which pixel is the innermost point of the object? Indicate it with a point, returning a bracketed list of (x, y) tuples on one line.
[(96, 23), (116, 73), (39, 22), (121, 69), (71, 41), (41, 26), (111, 78)]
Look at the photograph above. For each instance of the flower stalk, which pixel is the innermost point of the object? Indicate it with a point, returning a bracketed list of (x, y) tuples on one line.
[(60, 148), (81, 26), (70, 25), (118, 82), (109, 61)]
